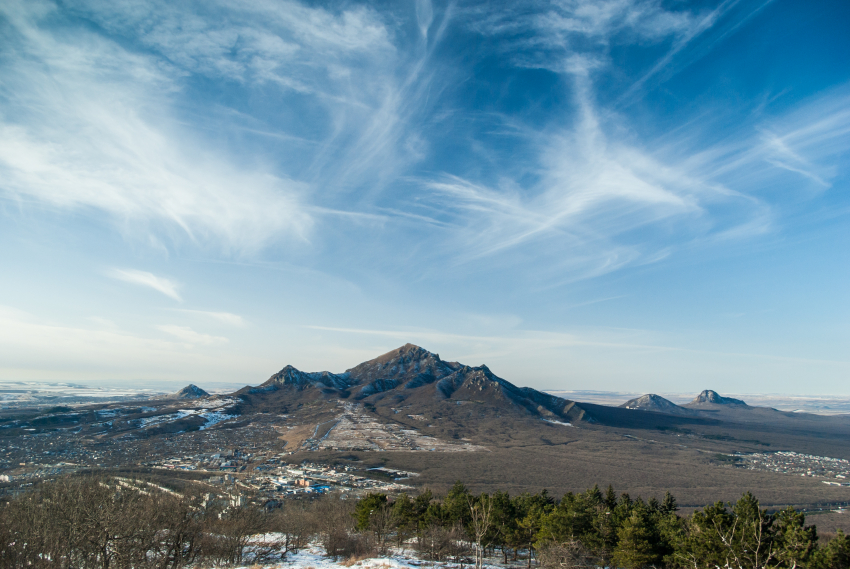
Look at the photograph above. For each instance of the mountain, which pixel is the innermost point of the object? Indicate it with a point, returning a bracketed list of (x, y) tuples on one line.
[(711, 398), (191, 391), (411, 375), (656, 404)]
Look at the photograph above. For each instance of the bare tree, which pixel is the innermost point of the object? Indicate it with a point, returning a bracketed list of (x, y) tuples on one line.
[(481, 516), (335, 526), (569, 555), (296, 527)]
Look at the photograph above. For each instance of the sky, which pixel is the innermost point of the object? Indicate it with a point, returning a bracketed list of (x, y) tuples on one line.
[(582, 194)]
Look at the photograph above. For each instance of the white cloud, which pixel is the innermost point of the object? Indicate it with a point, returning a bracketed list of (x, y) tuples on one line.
[(89, 125), (189, 336), (225, 317), (150, 280), (286, 42), (597, 204)]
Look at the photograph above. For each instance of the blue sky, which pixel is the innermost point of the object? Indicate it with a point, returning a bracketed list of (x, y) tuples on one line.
[(611, 194)]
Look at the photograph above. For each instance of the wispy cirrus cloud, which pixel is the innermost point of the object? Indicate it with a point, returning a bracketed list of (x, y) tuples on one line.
[(90, 125), (545, 33), (146, 279), (224, 317), (342, 68), (801, 148), (597, 204), (186, 334)]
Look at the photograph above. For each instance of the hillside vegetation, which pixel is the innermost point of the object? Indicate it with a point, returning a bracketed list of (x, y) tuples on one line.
[(107, 522)]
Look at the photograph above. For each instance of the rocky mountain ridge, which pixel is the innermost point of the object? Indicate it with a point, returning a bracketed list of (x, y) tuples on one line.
[(413, 373)]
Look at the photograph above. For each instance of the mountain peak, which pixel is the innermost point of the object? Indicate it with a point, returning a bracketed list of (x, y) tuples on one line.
[(408, 352), (291, 376), (655, 403), (710, 396), (191, 391), (407, 363)]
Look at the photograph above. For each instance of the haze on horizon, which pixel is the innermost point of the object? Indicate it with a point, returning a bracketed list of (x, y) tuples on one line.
[(622, 195)]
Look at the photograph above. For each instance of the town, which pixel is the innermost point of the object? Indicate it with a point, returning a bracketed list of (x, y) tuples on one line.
[(835, 470), (268, 474)]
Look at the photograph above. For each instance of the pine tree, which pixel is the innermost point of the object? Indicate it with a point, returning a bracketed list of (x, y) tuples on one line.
[(701, 543), (366, 507), (610, 499), (669, 505), (405, 517), (504, 522), (795, 542), (456, 505), (835, 555), (635, 542), (753, 539)]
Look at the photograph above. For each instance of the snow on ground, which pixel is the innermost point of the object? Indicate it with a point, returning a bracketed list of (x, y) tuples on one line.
[(212, 410), (313, 558), (214, 417)]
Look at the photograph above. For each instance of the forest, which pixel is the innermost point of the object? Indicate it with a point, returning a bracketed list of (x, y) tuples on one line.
[(107, 522)]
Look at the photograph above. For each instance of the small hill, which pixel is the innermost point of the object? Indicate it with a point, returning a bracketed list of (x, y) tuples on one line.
[(711, 398), (191, 391), (656, 404)]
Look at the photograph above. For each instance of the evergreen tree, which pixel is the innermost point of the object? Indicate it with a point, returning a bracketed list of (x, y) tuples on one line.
[(504, 522), (405, 517), (670, 530), (654, 505), (456, 505), (528, 527), (610, 499), (366, 507), (835, 555), (669, 505), (635, 546), (571, 519), (434, 515), (752, 538), (794, 541), (701, 543), (421, 503)]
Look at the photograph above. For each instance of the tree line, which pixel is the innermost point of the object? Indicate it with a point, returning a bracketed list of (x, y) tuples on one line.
[(106, 522), (604, 529)]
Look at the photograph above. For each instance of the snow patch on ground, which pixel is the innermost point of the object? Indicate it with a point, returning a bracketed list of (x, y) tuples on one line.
[(214, 417), (313, 558), (151, 421), (211, 410), (558, 423)]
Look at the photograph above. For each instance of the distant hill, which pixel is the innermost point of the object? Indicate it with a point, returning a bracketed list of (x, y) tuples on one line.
[(413, 376), (710, 398), (656, 404), (191, 391)]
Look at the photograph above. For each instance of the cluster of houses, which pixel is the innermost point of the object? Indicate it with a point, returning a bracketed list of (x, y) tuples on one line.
[(268, 474), (835, 471)]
